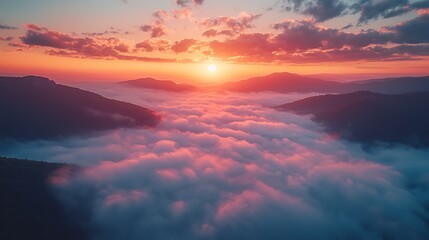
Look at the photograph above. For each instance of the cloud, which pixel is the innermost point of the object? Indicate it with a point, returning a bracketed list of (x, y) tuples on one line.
[(228, 25), (183, 13), (371, 10), (153, 45), (323, 10), (294, 41), (306, 41), (156, 29), (320, 10), (111, 30), (183, 45), (186, 3), (18, 45), (420, 4), (411, 31), (226, 166), (7, 39), (160, 15), (7, 27), (63, 44), (256, 46), (210, 33)]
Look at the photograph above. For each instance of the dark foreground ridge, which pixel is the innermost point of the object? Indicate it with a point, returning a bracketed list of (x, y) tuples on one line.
[(294, 83), (369, 118), (164, 85), (29, 210), (38, 108)]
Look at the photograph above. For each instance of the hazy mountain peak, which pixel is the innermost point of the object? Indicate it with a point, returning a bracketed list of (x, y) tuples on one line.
[(155, 84)]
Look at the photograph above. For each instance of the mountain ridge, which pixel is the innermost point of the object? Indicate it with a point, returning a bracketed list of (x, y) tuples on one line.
[(29, 207), (294, 83), (34, 107), (370, 118)]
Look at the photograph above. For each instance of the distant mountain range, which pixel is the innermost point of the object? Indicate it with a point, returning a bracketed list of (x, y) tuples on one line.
[(288, 83), (284, 83), (164, 85), (395, 85), (37, 108), (369, 118), (295, 83)]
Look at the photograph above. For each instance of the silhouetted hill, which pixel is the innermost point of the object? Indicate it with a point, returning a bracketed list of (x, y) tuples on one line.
[(164, 85), (35, 108), (288, 83), (370, 117), (28, 209)]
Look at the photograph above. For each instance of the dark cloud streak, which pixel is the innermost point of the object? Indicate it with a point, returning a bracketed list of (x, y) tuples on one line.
[(186, 3), (323, 10), (7, 27)]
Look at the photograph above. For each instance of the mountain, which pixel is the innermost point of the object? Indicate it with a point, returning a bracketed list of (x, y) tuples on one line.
[(369, 118), (164, 85), (37, 108), (29, 210), (284, 83), (288, 83), (395, 85)]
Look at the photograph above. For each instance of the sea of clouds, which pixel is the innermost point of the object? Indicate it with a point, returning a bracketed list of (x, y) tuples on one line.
[(227, 166)]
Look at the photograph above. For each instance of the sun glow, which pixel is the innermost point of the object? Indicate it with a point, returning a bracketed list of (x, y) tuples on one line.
[(212, 68)]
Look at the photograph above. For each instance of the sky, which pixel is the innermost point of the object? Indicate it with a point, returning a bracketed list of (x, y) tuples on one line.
[(110, 40)]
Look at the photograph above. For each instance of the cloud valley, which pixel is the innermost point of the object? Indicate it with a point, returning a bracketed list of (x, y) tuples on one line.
[(227, 166)]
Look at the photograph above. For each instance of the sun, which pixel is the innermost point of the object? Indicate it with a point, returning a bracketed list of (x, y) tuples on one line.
[(212, 68)]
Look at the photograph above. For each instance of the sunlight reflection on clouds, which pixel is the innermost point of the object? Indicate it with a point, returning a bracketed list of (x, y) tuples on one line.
[(226, 166)]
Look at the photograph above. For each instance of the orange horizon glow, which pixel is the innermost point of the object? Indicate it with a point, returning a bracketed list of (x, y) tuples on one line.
[(178, 40), (87, 70)]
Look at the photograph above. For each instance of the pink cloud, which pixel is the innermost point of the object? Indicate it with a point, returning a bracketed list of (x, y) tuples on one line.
[(178, 207), (153, 45), (123, 197), (184, 13), (226, 166), (183, 45), (168, 174), (6, 39), (228, 25), (246, 201), (63, 44), (156, 29), (306, 42), (160, 16)]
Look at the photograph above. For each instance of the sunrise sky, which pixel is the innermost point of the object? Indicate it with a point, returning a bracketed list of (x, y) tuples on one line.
[(109, 40)]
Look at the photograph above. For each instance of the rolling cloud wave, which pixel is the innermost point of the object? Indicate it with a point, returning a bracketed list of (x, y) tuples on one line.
[(226, 166)]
